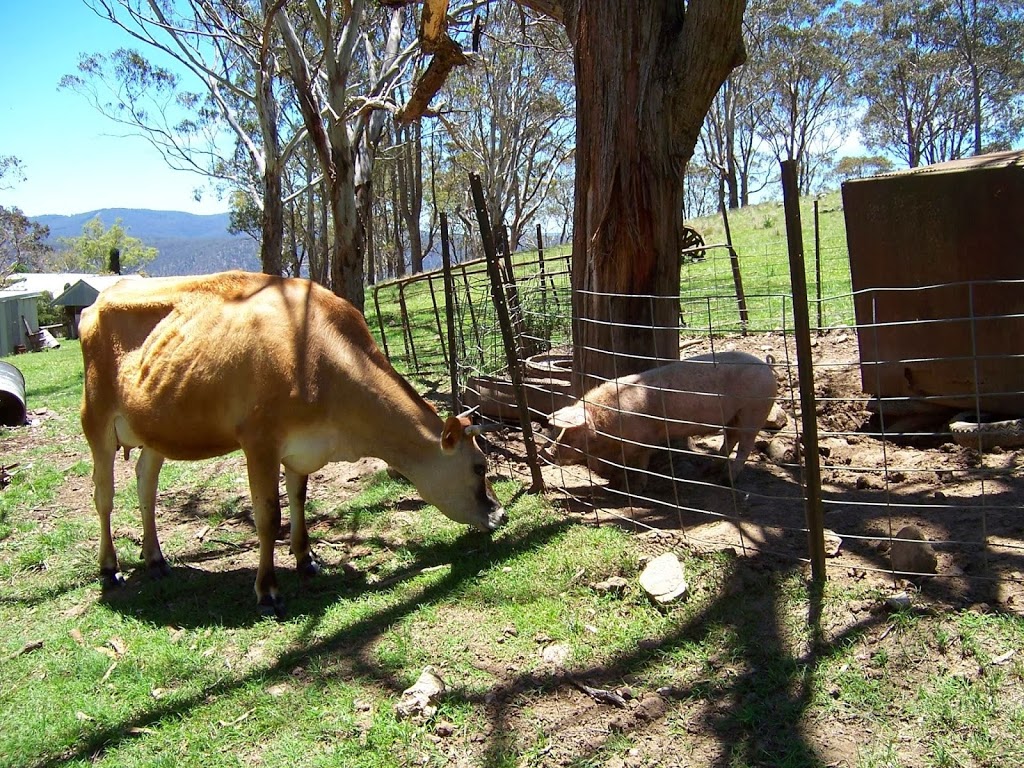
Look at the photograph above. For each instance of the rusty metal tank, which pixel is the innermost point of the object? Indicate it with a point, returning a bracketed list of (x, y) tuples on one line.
[(937, 264)]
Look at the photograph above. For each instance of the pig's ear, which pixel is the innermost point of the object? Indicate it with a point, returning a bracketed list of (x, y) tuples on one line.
[(570, 416)]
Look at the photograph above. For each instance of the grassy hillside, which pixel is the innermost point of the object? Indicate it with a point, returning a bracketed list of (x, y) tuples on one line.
[(411, 314)]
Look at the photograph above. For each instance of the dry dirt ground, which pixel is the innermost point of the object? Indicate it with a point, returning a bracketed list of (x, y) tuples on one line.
[(968, 504)]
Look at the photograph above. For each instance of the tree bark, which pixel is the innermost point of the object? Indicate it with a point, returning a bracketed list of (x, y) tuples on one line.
[(272, 219), (641, 97)]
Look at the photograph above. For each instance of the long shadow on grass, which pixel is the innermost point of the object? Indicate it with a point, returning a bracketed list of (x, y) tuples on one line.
[(749, 702), (202, 599)]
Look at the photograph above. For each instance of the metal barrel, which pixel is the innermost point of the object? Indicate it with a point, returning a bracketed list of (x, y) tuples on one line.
[(12, 396)]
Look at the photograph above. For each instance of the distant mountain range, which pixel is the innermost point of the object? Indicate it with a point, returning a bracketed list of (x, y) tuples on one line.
[(188, 243)]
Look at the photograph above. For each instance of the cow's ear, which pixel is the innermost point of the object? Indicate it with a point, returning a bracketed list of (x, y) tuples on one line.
[(570, 416), (452, 434)]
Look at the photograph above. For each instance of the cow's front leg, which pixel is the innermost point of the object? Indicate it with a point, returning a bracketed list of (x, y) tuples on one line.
[(305, 560), (266, 509), (147, 475)]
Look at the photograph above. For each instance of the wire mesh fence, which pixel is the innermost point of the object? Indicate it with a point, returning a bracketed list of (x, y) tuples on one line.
[(920, 479)]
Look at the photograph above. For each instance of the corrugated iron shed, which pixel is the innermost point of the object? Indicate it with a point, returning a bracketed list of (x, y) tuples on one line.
[(935, 256), (15, 305), (83, 292)]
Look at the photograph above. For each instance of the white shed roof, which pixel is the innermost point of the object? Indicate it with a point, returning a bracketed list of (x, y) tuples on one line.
[(37, 282)]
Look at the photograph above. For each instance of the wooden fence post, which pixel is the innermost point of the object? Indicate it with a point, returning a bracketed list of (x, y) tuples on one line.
[(499, 297), (798, 276)]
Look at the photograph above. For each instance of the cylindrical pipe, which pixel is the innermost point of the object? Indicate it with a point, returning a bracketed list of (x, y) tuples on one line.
[(12, 396)]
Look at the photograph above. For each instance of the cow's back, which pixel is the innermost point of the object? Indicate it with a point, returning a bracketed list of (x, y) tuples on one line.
[(190, 364)]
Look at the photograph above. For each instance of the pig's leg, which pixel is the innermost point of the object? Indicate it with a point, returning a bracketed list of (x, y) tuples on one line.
[(725, 472), (628, 472), (744, 439)]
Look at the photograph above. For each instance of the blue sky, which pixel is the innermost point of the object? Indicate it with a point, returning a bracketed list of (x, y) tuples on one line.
[(75, 160)]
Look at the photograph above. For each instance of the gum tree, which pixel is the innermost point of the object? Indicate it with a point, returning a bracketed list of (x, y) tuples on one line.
[(646, 74)]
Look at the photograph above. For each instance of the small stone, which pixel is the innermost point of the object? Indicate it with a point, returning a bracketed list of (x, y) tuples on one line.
[(782, 449), (420, 699), (902, 600), (663, 579), (832, 543), (555, 654), (444, 729), (911, 553), (651, 707), (615, 585), (869, 482), (777, 418)]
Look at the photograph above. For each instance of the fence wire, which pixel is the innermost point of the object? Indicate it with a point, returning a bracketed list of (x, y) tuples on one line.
[(929, 465)]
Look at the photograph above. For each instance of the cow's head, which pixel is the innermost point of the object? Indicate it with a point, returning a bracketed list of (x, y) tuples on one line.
[(458, 484), (571, 428)]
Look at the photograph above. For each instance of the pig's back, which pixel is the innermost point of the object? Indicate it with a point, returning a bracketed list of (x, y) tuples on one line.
[(705, 389)]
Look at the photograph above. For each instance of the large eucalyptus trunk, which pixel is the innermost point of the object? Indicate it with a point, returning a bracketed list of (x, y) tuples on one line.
[(346, 253), (272, 221), (645, 77)]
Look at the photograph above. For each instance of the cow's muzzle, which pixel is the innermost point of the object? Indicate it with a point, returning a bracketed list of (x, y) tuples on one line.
[(497, 518)]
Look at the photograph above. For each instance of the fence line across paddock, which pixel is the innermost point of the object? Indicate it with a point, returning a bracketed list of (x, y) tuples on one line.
[(886, 460)]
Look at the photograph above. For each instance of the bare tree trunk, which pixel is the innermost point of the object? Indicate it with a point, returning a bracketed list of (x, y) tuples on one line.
[(365, 194), (332, 144), (409, 165), (346, 254), (641, 97), (396, 220), (272, 219)]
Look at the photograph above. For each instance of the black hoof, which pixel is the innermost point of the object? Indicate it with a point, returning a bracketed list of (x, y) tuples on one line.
[(159, 569), (309, 566), (272, 606), (111, 580)]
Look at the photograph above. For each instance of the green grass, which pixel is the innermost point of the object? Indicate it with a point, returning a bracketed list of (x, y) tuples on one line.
[(183, 671), (409, 315)]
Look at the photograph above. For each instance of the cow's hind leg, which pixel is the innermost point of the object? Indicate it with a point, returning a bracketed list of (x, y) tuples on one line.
[(147, 475), (103, 496), (266, 509), (305, 560)]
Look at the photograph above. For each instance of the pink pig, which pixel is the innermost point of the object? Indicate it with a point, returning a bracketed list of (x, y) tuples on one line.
[(618, 425)]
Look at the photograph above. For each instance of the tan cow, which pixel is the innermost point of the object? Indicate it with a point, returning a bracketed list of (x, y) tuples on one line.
[(195, 367)]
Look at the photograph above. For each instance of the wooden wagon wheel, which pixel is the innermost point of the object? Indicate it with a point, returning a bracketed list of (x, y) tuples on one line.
[(692, 239)]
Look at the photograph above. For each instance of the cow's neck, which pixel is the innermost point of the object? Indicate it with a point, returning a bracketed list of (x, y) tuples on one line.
[(405, 430)]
